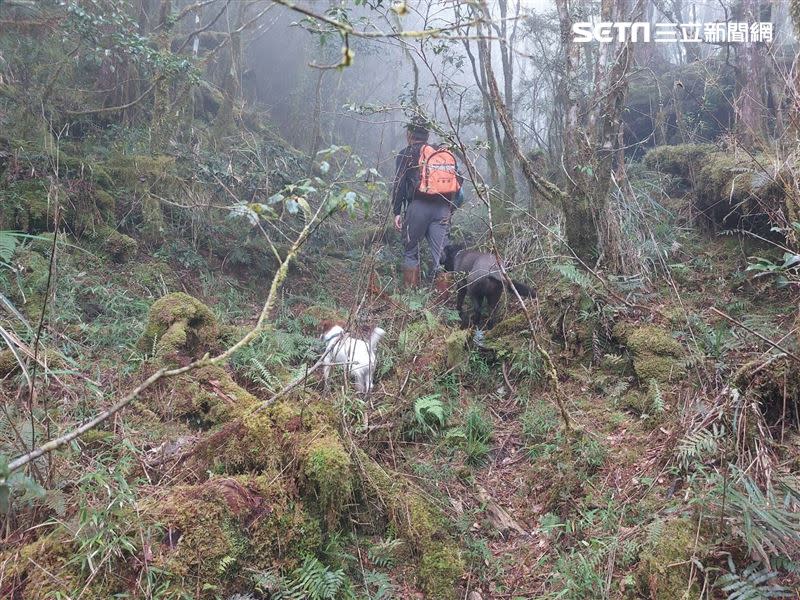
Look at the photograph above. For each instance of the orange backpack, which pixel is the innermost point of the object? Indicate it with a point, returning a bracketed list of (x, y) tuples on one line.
[(437, 171)]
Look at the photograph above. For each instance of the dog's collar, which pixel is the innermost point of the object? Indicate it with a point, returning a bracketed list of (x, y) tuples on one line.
[(328, 338)]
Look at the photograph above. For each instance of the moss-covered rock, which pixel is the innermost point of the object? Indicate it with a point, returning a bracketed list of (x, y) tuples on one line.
[(422, 346), (139, 171), (656, 354), (8, 363), (72, 167), (439, 571), (679, 160), (154, 275), (179, 323), (28, 205), (457, 351), (664, 567), (647, 404), (731, 189), (120, 247), (143, 177), (416, 519), (735, 191), (25, 206), (52, 552), (32, 269), (203, 397), (775, 386), (217, 529), (248, 444), (419, 522), (328, 468), (509, 336)]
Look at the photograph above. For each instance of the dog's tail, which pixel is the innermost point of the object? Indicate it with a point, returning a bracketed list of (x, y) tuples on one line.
[(522, 289), (377, 335)]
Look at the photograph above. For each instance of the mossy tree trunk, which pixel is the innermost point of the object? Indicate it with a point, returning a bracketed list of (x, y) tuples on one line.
[(497, 199), (750, 81), (536, 181), (508, 93), (579, 212), (158, 134), (506, 39), (316, 134), (593, 141), (231, 78)]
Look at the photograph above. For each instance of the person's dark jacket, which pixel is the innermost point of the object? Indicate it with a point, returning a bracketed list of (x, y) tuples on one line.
[(406, 176)]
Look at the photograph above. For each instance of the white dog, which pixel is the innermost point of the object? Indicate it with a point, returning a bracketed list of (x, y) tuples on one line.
[(357, 356)]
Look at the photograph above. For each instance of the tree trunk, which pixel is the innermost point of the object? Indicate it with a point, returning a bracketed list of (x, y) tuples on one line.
[(749, 76), (546, 189), (579, 216), (480, 81), (231, 75), (591, 147), (316, 133), (510, 188), (158, 134)]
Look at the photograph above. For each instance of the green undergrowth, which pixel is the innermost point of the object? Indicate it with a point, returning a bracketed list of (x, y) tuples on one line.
[(210, 486)]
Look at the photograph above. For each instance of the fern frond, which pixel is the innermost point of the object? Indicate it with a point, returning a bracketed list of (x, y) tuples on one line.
[(315, 581), (8, 244), (766, 526), (655, 531), (656, 397), (430, 411), (699, 445), (753, 583), (226, 564), (384, 554), (571, 273)]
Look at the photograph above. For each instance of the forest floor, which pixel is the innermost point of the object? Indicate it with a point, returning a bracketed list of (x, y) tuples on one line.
[(488, 492)]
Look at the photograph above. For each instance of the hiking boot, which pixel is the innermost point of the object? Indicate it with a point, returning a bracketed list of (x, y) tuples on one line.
[(410, 277)]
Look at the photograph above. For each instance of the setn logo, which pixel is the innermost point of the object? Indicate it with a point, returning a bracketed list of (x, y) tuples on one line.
[(682, 33), (604, 31)]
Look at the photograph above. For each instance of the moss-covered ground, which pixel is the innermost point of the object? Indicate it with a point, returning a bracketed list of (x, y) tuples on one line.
[(458, 474)]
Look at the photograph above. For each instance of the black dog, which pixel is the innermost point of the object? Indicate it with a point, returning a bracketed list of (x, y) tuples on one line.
[(483, 280)]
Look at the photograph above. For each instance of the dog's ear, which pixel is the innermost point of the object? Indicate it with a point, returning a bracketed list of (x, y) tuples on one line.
[(327, 324)]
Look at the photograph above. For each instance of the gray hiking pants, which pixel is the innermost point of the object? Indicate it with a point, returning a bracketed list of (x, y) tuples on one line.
[(429, 219)]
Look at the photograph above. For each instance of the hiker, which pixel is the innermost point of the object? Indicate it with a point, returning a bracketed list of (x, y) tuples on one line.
[(428, 186)]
